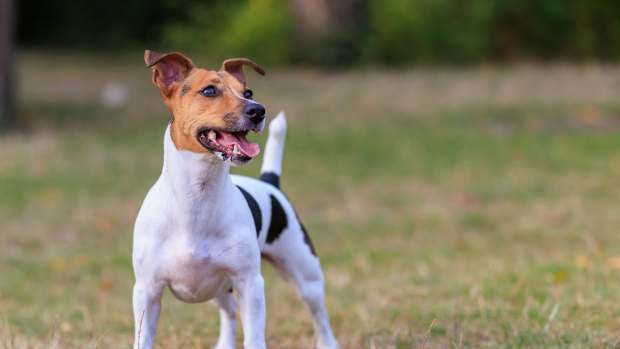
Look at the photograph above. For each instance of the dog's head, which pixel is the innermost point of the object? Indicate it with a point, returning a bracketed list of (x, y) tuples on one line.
[(212, 111)]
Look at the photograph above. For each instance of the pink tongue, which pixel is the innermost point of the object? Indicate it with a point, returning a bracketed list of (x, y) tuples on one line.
[(247, 148)]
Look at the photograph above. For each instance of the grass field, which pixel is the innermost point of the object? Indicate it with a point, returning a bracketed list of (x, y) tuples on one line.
[(475, 208)]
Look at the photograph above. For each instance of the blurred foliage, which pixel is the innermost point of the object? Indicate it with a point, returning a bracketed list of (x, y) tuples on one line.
[(259, 29), (94, 24), (373, 31), (428, 30)]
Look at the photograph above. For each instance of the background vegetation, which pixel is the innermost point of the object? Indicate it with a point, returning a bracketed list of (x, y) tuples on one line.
[(457, 164), (347, 32), (469, 208)]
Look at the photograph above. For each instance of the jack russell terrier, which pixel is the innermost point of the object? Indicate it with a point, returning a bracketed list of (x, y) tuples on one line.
[(201, 231)]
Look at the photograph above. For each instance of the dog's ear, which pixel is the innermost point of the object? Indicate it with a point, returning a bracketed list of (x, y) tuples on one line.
[(168, 68), (234, 66)]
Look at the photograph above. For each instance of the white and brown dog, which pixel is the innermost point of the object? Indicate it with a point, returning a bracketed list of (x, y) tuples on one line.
[(201, 231)]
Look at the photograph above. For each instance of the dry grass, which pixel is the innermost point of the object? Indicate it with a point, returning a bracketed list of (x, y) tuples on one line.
[(465, 209)]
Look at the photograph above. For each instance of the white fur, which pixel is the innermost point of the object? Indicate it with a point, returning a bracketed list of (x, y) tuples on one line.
[(195, 234), (274, 148)]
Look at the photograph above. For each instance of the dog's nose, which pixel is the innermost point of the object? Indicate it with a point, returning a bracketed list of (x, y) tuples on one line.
[(255, 112)]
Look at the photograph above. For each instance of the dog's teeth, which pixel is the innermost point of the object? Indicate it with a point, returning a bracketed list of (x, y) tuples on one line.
[(212, 135), (236, 150)]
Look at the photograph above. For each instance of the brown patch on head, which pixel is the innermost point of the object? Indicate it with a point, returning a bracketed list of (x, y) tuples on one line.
[(181, 85)]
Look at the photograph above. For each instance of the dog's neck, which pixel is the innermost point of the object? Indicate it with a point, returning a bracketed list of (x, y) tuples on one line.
[(198, 182)]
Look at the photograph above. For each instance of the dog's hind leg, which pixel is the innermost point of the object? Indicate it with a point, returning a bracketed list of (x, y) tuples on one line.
[(294, 257), (228, 320), (310, 286)]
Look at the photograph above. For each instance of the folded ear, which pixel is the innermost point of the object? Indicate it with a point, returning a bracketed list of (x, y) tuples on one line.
[(234, 66), (168, 68)]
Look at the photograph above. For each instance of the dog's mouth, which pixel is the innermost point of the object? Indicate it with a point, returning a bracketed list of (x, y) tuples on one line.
[(231, 144)]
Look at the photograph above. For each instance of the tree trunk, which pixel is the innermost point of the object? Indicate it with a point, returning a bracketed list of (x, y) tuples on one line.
[(311, 20), (323, 30), (7, 92)]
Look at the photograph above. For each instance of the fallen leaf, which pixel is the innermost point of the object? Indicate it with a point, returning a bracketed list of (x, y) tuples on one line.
[(560, 277), (66, 327), (583, 262), (613, 262)]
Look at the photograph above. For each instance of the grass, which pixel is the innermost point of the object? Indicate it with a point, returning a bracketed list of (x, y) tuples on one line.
[(450, 209)]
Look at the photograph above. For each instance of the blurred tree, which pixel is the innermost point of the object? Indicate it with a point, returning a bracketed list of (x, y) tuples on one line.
[(257, 29), (328, 32), (7, 22), (98, 25), (333, 33), (311, 19)]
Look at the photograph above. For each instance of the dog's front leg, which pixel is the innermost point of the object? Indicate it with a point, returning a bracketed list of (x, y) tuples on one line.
[(252, 305), (146, 307)]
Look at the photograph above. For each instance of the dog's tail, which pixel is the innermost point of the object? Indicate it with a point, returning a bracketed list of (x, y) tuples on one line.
[(274, 151)]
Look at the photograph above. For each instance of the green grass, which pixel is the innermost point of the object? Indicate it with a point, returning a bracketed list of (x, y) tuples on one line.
[(456, 221)]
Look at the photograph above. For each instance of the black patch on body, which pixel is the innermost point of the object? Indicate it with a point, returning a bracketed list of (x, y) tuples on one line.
[(279, 222), (306, 237), (255, 209), (271, 178)]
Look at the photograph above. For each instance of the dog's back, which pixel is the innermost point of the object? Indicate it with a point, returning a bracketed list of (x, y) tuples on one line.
[(277, 224)]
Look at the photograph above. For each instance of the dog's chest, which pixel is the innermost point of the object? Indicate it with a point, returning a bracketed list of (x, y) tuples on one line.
[(193, 272)]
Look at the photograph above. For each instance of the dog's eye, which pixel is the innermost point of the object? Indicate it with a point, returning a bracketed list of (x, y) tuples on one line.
[(210, 91), (248, 94)]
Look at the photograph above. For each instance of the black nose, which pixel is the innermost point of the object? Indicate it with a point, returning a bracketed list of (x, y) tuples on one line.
[(255, 112)]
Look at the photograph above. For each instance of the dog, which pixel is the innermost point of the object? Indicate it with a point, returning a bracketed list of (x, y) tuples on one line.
[(201, 231)]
